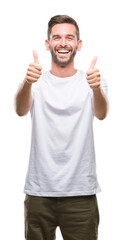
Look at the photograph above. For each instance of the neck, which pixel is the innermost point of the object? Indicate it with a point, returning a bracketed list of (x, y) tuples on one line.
[(63, 71)]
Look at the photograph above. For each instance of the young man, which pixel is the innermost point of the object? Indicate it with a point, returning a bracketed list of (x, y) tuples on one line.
[(61, 183)]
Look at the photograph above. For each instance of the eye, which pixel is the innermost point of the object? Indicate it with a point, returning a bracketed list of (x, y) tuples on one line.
[(56, 37), (70, 38)]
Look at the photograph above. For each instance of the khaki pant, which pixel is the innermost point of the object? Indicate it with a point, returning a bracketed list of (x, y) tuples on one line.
[(76, 216)]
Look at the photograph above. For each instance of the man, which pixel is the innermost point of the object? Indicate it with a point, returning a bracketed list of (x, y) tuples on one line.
[(61, 183)]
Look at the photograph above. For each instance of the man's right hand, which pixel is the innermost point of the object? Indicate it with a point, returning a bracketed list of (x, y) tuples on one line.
[(34, 70)]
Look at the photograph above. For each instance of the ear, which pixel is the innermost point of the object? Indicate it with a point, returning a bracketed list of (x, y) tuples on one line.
[(79, 45), (47, 44)]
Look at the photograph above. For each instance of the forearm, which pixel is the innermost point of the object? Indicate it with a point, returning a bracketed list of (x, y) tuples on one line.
[(99, 104), (23, 99)]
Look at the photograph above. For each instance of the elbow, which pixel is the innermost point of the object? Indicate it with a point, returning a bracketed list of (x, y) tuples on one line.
[(17, 108), (19, 113), (102, 116)]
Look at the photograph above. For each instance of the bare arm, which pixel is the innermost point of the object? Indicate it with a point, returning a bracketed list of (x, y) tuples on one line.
[(99, 104), (99, 100), (23, 98)]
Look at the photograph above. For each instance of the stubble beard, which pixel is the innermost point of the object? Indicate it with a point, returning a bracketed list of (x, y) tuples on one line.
[(62, 63)]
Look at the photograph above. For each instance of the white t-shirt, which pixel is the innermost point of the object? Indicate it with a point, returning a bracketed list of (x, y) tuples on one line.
[(62, 155)]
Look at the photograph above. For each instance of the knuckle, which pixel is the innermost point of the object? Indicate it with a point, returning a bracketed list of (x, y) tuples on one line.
[(40, 71), (31, 64), (38, 76), (96, 70), (98, 74), (28, 72), (27, 77), (88, 72), (29, 68)]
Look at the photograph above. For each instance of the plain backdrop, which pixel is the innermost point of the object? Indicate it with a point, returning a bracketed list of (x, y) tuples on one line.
[(23, 27)]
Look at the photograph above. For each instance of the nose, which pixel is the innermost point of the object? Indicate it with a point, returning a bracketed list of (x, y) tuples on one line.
[(63, 41)]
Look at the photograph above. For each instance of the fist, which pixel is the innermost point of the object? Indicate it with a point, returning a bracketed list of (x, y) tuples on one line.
[(93, 75), (34, 70)]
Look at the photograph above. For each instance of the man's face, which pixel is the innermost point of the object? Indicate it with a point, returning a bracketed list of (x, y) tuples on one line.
[(63, 43)]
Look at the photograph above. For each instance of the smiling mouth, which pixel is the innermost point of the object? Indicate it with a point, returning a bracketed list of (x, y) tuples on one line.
[(62, 52)]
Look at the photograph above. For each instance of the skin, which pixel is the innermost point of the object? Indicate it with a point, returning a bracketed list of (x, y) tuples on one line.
[(23, 98), (63, 44), (63, 31), (99, 100)]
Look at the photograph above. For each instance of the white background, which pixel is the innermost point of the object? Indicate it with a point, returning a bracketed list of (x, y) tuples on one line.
[(23, 27)]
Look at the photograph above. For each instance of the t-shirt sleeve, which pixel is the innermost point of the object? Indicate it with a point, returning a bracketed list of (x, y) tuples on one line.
[(33, 93), (103, 85)]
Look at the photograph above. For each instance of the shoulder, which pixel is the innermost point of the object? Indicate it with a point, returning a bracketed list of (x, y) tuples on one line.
[(82, 76), (40, 80), (81, 73)]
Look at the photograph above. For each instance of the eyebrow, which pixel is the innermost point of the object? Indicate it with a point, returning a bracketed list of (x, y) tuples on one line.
[(71, 35), (68, 35), (55, 35)]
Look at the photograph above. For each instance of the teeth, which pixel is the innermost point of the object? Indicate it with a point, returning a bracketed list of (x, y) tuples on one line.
[(63, 51)]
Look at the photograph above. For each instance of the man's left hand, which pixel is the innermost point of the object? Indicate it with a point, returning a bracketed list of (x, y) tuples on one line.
[(93, 75)]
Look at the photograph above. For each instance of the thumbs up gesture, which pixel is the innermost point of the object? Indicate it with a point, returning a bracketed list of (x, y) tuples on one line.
[(34, 70), (93, 75)]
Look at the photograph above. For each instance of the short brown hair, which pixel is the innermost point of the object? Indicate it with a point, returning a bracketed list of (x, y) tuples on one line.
[(62, 19)]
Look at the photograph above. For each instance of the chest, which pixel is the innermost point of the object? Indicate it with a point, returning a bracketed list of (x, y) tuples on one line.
[(70, 97)]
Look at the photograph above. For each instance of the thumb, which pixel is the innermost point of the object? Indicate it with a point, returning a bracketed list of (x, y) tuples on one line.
[(35, 56), (93, 62)]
